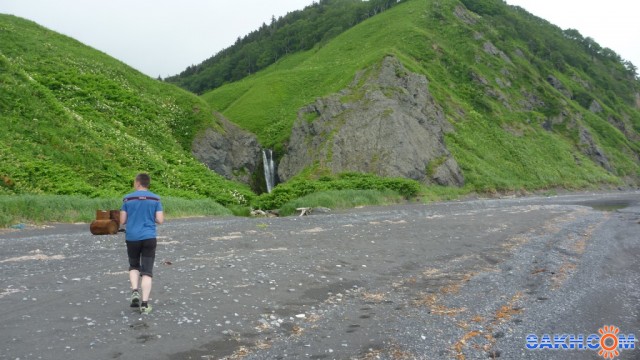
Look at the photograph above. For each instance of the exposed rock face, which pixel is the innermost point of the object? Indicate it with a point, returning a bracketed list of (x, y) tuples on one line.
[(592, 150), (595, 107), (489, 48), (531, 101), (625, 126), (558, 85), (386, 123), (465, 15), (232, 153)]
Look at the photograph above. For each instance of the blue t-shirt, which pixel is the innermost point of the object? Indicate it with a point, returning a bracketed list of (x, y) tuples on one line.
[(141, 208)]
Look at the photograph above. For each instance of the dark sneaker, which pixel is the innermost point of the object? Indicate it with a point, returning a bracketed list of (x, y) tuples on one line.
[(145, 310), (135, 299)]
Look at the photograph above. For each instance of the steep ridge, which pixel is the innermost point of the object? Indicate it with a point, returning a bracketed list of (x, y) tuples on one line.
[(299, 30), (75, 121), (530, 105)]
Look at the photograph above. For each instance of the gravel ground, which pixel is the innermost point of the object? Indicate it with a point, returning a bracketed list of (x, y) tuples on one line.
[(457, 280)]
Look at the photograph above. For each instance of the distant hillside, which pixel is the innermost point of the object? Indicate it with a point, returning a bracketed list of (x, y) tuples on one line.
[(531, 105), (297, 31), (76, 121)]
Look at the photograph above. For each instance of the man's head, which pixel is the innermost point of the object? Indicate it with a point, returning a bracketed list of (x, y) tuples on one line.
[(142, 180)]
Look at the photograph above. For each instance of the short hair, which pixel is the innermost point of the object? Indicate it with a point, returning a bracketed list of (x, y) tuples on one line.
[(144, 180)]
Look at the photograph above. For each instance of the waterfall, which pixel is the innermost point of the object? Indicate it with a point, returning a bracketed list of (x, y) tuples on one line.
[(269, 169)]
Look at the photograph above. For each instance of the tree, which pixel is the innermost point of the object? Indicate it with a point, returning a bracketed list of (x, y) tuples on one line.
[(573, 34), (591, 46), (632, 69), (296, 31)]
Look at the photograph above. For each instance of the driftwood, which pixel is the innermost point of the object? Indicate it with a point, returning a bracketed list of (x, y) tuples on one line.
[(268, 213), (107, 222), (304, 211), (104, 227), (103, 215)]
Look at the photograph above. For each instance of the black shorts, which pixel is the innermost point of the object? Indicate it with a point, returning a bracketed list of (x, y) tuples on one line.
[(142, 255)]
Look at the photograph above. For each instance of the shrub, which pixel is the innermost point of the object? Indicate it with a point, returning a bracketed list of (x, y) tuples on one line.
[(16, 209), (341, 199), (297, 188)]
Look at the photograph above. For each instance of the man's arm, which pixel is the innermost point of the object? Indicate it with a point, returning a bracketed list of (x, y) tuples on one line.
[(123, 217), (159, 217)]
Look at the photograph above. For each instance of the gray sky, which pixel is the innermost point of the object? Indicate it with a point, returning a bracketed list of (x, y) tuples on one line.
[(163, 37)]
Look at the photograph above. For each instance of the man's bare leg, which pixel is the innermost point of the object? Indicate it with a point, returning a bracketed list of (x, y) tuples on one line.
[(146, 287), (134, 278)]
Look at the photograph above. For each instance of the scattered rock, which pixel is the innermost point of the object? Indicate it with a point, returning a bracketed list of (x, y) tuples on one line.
[(258, 213)]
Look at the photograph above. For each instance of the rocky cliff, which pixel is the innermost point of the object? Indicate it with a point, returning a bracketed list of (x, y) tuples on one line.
[(386, 123), (232, 152)]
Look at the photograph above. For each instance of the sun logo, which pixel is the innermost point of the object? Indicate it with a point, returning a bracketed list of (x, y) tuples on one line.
[(609, 334)]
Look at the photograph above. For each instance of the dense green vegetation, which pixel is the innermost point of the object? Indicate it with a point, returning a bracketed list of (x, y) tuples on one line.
[(297, 31), (489, 71), (78, 125), (303, 186), (75, 121), (557, 50), (16, 209)]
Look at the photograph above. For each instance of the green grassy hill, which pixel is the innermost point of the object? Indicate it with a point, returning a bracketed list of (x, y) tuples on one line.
[(298, 30), (533, 106), (76, 121)]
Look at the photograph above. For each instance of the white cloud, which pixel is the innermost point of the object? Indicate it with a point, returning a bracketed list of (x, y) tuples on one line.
[(611, 23), (157, 37), (163, 37)]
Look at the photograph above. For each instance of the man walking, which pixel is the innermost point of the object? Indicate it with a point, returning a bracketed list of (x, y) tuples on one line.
[(141, 211)]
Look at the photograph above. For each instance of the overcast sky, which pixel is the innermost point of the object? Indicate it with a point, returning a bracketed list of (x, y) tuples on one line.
[(163, 37)]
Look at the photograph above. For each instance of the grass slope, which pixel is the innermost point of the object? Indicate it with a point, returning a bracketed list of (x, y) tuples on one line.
[(19, 209), (499, 142), (76, 121)]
